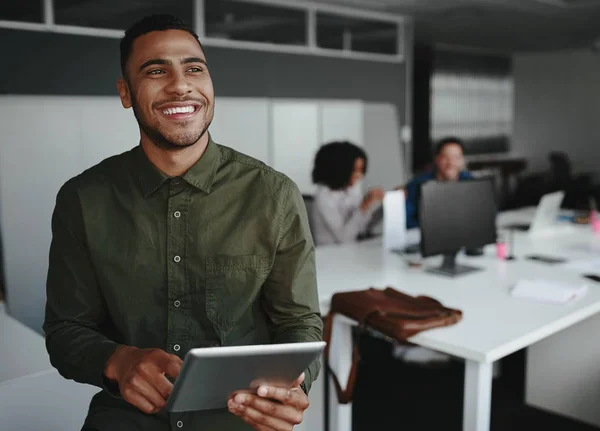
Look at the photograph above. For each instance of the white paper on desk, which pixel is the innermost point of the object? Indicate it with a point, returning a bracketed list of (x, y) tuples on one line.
[(394, 220), (554, 292), (586, 266)]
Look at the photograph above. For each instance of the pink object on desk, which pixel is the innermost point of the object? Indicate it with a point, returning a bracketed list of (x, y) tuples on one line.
[(595, 221), (501, 250)]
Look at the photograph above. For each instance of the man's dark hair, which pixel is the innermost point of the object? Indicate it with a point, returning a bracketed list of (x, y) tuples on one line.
[(147, 25), (334, 164), (449, 140)]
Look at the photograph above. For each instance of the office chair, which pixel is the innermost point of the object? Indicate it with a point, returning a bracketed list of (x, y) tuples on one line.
[(308, 203)]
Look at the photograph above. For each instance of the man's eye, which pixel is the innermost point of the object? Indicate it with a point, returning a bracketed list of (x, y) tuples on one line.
[(156, 72), (195, 69)]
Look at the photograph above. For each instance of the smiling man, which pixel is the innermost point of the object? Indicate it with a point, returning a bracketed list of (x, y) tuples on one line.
[(176, 244), (449, 164)]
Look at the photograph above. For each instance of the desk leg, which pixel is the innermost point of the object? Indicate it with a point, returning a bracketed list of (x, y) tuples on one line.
[(340, 357), (478, 396)]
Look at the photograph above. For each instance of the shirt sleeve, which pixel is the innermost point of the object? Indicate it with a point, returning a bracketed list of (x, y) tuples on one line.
[(75, 308), (290, 297), (343, 229)]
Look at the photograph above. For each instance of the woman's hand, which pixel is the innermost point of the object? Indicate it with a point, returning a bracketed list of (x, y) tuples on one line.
[(374, 195)]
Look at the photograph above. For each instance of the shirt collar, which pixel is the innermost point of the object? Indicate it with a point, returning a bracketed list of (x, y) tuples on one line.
[(201, 175)]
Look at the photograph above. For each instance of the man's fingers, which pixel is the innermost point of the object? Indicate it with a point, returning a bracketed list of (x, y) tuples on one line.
[(140, 385), (161, 356), (138, 400), (245, 391), (171, 368), (176, 359), (257, 419), (294, 397), (298, 381), (288, 414), (162, 385), (167, 363), (153, 374)]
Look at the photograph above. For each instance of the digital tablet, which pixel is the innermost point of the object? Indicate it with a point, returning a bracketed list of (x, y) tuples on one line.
[(210, 375)]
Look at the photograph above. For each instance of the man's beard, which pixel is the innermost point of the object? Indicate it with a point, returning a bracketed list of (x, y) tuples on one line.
[(183, 140)]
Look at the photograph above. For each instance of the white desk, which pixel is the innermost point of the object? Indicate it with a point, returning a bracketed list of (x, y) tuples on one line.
[(494, 323), (33, 396)]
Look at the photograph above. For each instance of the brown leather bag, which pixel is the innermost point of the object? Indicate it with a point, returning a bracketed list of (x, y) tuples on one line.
[(388, 311)]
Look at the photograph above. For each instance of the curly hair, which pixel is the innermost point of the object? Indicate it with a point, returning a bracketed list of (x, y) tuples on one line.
[(334, 164)]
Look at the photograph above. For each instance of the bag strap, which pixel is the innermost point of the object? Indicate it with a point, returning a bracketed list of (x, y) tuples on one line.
[(344, 395)]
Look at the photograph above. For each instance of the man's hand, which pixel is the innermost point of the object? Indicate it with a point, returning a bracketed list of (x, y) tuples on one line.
[(140, 374), (271, 408)]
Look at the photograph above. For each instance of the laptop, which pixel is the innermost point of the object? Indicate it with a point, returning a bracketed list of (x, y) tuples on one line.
[(546, 214)]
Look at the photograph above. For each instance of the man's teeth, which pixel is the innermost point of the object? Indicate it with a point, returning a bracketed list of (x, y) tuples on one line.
[(179, 110)]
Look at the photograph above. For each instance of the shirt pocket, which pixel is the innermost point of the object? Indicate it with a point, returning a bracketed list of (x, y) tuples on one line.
[(232, 285)]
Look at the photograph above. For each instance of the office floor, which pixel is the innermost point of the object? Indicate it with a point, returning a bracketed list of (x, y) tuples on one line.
[(391, 395)]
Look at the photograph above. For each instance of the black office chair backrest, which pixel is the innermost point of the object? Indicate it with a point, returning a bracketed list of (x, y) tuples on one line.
[(309, 202)]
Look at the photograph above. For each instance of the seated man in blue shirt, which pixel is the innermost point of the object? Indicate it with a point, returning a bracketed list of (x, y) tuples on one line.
[(449, 163)]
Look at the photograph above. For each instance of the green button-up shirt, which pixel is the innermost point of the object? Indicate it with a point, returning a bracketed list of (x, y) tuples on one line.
[(220, 256)]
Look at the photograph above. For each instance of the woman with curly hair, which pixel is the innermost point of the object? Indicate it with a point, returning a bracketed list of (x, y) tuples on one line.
[(340, 212)]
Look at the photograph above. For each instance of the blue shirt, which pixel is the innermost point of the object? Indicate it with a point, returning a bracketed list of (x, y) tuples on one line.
[(413, 195)]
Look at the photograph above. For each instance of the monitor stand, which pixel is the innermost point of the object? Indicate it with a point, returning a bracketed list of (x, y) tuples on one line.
[(449, 267)]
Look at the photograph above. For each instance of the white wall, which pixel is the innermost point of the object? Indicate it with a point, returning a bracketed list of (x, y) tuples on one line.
[(248, 117), (557, 107), (295, 139), (47, 140), (382, 142)]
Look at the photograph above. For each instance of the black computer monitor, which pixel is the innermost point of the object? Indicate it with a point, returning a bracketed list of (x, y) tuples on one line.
[(455, 215)]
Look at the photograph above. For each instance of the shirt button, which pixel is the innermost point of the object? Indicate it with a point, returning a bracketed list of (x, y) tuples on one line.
[(177, 214), (177, 259), (176, 347), (175, 181), (177, 303), (179, 424)]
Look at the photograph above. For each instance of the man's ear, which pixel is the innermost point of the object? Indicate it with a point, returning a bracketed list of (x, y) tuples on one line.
[(124, 93)]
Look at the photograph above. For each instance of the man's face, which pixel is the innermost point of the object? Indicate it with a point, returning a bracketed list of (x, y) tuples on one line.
[(169, 87), (449, 162)]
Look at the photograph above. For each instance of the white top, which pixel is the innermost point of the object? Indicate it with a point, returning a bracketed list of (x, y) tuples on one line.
[(336, 217), (494, 323)]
